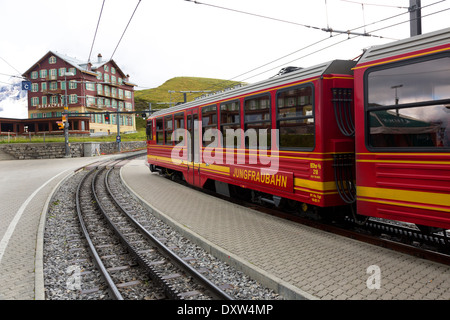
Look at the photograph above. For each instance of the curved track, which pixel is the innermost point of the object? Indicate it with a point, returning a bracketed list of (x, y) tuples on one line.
[(105, 218)]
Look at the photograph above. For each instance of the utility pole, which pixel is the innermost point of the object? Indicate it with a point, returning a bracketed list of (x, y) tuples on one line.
[(65, 118), (415, 17)]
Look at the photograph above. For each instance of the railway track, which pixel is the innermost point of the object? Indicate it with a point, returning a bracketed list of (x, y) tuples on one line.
[(126, 253)]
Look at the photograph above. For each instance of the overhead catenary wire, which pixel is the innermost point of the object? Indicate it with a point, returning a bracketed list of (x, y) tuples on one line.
[(327, 29), (349, 38), (125, 29), (96, 29)]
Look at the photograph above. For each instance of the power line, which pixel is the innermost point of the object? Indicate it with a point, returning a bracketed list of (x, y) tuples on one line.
[(327, 29), (125, 29), (95, 35), (18, 72), (375, 4)]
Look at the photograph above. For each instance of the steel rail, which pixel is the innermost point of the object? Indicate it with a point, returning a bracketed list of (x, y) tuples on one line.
[(213, 289), (169, 291), (112, 288)]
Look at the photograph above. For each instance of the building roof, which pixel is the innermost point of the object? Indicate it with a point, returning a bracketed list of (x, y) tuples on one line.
[(83, 66)]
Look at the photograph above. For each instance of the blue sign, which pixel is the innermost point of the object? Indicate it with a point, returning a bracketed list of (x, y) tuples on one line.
[(26, 85), (117, 138)]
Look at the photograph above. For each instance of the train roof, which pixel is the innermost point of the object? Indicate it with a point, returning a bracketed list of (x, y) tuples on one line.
[(420, 42), (331, 67)]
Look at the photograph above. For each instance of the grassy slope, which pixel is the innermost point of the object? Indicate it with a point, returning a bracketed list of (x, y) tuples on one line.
[(161, 94)]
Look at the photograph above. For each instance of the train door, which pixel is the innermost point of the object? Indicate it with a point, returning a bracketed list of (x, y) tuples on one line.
[(193, 148)]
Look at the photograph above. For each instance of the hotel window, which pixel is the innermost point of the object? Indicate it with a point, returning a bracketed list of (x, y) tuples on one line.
[(53, 74), (72, 85), (120, 93), (99, 75), (121, 105), (54, 100), (90, 101), (73, 70), (63, 85), (44, 86), (90, 86), (52, 60), (34, 75), (114, 104), (34, 101), (128, 106), (44, 100), (106, 68), (99, 89), (35, 87), (53, 85), (107, 103), (62, 72), (73, 98), (128, 94), (113, 80), (257, 118), (100, 103), (120, 80), (107, 91), (106, 77), (43, 73), (113, 70)]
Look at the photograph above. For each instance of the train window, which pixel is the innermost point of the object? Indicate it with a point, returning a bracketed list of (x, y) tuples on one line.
[(295, 118), (159, 131), (408, 104), (257, 120), (179, 124), (230, 118), (168, 130), (149, 130), (209, 121)]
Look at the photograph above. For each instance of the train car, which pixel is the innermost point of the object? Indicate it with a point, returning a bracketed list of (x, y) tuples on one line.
[(373, 134), (291, 165), (402, 110)]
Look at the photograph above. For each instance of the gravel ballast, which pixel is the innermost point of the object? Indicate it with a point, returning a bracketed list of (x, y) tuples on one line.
[(69, 273)]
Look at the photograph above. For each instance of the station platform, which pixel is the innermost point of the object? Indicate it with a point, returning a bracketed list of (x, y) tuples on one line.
[(297, 261)]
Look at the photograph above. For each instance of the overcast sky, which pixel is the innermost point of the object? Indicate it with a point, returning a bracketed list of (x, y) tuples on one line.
[(170, 38)]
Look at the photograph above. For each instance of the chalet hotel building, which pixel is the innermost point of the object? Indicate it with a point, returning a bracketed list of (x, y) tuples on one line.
[(90, 87)]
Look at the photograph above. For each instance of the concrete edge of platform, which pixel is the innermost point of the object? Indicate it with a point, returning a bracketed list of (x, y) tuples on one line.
[(280, 286), (39, 290)]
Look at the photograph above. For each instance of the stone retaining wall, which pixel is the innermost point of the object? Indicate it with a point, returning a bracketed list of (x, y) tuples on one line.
[(57, 150)]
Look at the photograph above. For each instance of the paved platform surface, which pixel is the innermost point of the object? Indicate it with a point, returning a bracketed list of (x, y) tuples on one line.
[(298, 261), (25, 189)]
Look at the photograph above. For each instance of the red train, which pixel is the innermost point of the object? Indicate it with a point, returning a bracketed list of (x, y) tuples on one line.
[(373, 133)]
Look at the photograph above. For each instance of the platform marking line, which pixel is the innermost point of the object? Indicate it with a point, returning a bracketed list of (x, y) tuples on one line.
[(12, 226)]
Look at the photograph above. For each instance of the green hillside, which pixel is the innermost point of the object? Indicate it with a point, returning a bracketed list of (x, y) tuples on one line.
[(162, 95)]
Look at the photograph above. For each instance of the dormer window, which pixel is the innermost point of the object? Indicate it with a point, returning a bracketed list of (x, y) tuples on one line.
[(52, 60)]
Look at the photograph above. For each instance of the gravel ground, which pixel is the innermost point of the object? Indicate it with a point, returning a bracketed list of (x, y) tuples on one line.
[(64, 254)]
